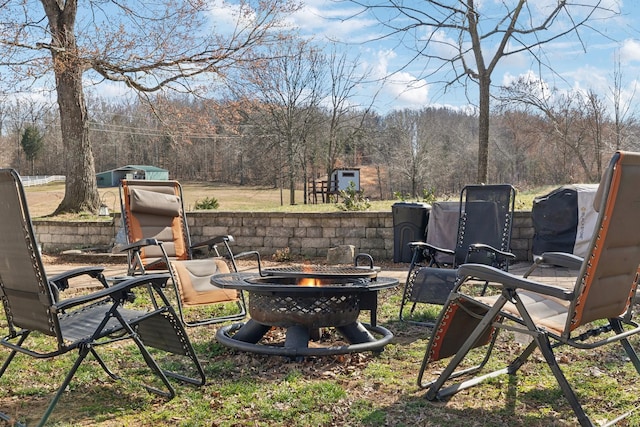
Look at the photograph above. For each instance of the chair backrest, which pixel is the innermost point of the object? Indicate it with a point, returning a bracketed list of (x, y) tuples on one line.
[(607, 281), (486, 216), (154, 210), (24, 289)]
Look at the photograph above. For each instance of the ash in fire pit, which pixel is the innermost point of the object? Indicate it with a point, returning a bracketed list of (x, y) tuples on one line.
[(303, 300)]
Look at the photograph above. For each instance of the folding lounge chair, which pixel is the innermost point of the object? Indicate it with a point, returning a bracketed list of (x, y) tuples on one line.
[(485, 218), (83, 323), (595, 312), (158, 237)]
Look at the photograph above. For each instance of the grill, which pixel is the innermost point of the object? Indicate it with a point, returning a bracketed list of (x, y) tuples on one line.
[(322, 271), (302, 300)]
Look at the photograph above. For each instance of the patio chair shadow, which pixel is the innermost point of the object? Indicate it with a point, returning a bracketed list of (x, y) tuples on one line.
[(90, 401), (413, 409)]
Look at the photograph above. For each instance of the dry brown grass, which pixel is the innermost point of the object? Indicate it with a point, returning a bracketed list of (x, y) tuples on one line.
[(43, 200)]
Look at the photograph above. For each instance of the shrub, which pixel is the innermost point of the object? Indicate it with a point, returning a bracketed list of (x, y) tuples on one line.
[(428, 195), (400, 196), (282, 255), (353, 200), (208, 203)]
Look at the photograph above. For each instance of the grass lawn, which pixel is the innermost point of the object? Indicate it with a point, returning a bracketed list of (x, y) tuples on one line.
[(363, 389), (44, 199)]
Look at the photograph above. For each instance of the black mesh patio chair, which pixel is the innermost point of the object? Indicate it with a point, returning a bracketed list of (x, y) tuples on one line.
[(594, 312), (485, 218), (43, 325), (159, 240)]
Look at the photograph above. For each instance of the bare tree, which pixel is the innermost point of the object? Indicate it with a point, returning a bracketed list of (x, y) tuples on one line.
[(624, 117), (146, 45), (471, 39), (573, 131), (516, 134), (409, 153), (288, 89), (20, 114), (347, 116), (595, 124)]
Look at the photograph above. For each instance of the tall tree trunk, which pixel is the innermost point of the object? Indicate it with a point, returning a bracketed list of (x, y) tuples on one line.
[(483, 128), (291, 172), (81, 189)]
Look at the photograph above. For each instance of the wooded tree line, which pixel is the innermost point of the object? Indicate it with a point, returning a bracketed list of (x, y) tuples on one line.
[(556, 139)]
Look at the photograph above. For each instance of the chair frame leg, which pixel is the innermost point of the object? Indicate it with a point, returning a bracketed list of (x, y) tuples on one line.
[(188, 350), (406, 300), (450, 371), (83, 351), (405, 293), (543, 343), (540, 340), (616, 324), (90, 348)]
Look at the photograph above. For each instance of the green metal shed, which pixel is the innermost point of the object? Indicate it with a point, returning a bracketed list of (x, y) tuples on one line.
[(112, 177)]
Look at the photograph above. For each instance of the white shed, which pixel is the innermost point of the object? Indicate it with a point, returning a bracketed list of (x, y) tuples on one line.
[(342, 178)]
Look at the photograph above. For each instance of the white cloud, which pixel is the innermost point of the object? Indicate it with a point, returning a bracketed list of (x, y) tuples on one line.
[(227, 17), (590, 77), (109, 89), (37, 96), (326, 20), (400, 89), (407, 90), (630, 51), (534, 81)]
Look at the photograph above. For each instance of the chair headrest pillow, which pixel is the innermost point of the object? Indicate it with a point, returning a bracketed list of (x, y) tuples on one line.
[(152, 202)]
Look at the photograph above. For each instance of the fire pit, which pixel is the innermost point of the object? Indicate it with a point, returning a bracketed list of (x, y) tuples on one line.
[(302, 300)]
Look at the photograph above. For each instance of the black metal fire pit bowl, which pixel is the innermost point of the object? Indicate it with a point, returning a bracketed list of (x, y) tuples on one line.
[(302, 301)]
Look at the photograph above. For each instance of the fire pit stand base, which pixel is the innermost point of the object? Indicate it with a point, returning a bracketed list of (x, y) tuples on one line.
[(246, 337)]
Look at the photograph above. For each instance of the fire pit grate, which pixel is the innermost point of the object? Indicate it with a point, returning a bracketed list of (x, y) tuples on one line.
[(320, 281), (303, 299), (327, 271), (312, 311), (322, 271)]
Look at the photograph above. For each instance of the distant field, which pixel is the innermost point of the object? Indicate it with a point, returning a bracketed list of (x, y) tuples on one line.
[(44, 199)]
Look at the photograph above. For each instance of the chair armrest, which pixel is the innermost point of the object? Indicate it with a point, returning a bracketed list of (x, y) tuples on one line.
[(477, 247), (119, 292), (561, 259), (506, 280), (428, 252), (213, 241), (139, 244), (430, 248), (61, 280), (233, 257), (247, 254), (414, 245)]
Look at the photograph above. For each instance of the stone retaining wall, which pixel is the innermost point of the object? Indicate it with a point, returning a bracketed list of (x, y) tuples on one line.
[(307, 234)]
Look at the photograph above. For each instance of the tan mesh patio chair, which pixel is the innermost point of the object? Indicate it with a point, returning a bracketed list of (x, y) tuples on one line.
[(158, 236), (43, 326), (595, 312)]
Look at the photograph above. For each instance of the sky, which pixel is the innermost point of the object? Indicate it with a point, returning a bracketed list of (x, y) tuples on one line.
[(579, 66)]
